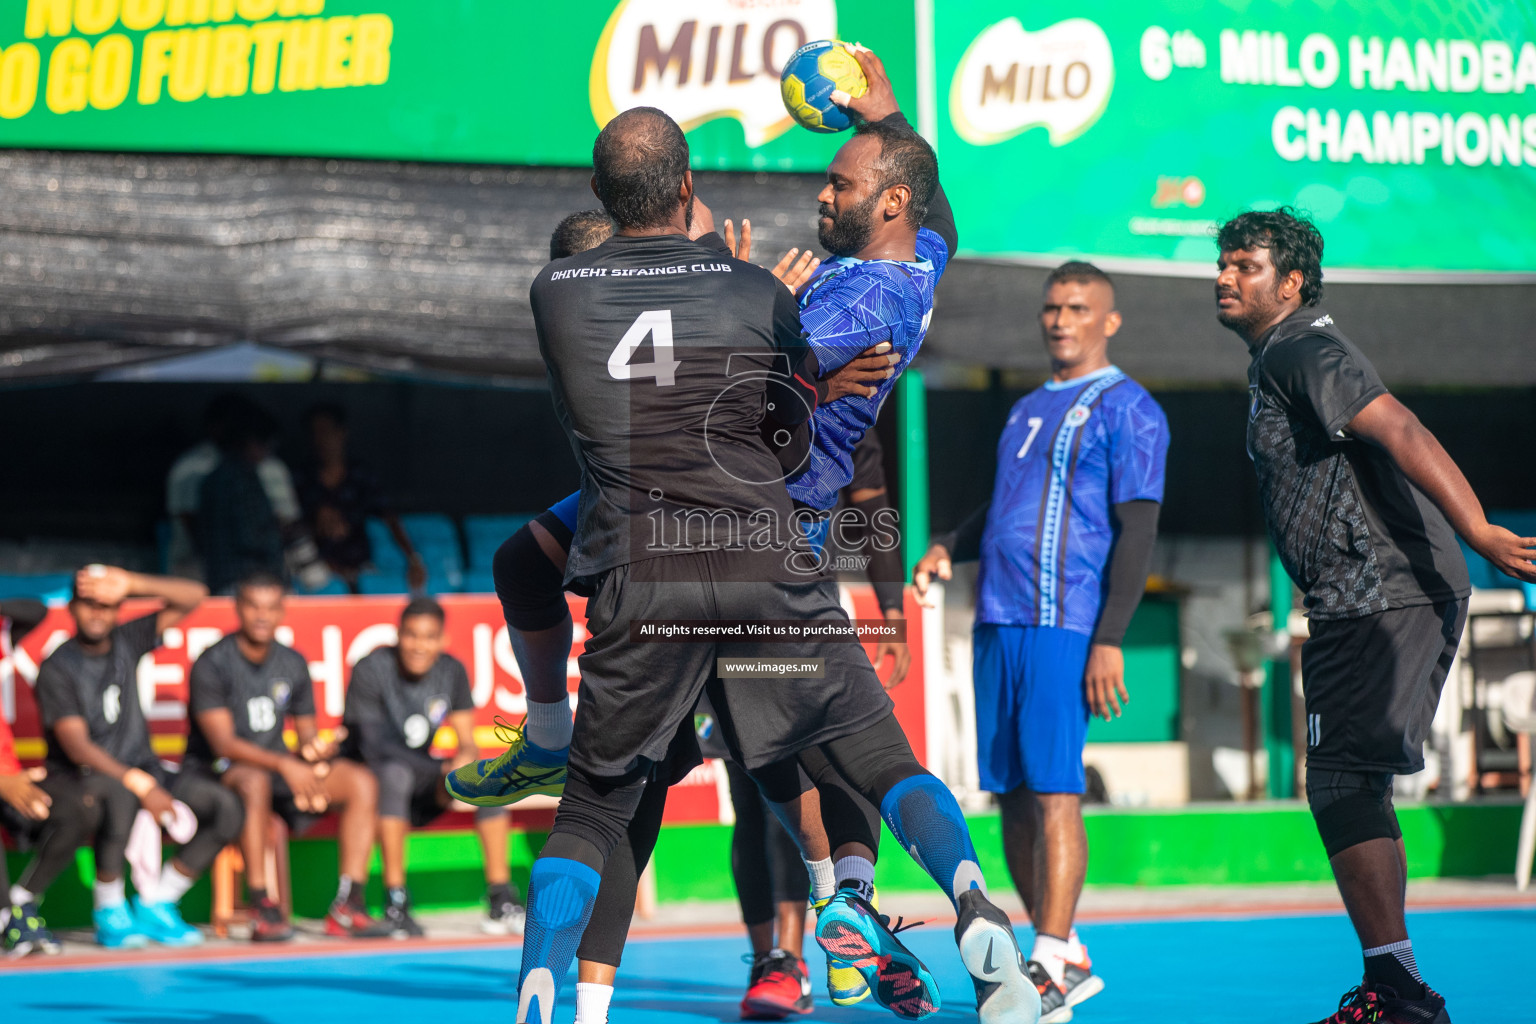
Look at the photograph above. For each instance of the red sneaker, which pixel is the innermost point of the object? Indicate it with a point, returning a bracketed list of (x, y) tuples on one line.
[(1360, 1006), (268, 924), (347, 922), (777, 987)]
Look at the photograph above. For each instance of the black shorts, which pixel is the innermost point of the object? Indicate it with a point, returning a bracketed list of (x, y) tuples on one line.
[(636, 693), (1372, 685)]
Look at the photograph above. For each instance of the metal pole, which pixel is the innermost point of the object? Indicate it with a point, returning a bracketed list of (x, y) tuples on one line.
[(912, 429), (1277, 687)]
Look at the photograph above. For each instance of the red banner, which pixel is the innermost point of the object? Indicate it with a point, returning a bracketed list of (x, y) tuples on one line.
[(335, 632)]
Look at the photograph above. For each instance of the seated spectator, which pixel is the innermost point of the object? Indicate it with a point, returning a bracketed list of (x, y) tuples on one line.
[(238, 527), (397, 699), (339, 496), (102, 768), (243, 690), (22, 808), (184, 483)]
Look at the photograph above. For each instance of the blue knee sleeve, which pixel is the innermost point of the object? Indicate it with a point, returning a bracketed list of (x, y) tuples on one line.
[(922, 814), (560, 897)]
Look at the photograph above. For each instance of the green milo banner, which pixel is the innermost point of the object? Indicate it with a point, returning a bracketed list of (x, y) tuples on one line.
[(475, 80), (1125, 130)]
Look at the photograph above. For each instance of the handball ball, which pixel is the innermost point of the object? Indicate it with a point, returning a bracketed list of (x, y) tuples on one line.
[(811, 74)]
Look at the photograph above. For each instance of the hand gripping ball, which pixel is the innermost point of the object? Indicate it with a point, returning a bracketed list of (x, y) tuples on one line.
[(809, 78)]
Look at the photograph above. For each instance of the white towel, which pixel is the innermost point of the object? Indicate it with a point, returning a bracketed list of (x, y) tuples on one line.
[(143, 853)]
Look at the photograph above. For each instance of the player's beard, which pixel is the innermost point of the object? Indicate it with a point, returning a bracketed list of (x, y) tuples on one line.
[(1250, 320), (688, 213), (850, 230)]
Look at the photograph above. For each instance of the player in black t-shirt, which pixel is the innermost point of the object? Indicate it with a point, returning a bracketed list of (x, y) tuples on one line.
[(1363, 505), (244, 689), (397, 700), (100, 755), (676, 468)]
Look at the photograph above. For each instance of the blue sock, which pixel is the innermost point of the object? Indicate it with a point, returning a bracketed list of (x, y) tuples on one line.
[(560, 897), (922, 814)]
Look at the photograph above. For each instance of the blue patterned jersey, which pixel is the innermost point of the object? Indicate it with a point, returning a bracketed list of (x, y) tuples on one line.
[(1068, 453), (848, 306)]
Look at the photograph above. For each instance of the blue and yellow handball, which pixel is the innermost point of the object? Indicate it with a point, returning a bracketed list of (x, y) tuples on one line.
[(809, 78)]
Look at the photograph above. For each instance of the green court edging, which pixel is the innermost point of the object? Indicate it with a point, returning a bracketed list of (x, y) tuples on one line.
[(1207, 845)]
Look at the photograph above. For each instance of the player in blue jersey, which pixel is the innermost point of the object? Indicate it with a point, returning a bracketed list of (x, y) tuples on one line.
[(1065, 545), (890, 230)]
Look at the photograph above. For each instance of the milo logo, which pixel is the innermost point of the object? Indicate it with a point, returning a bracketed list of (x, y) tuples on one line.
[(1011, 80), (700, 60)]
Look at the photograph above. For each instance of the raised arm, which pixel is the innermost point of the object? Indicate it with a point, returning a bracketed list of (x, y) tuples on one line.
[(110, 585), (1392, 427)]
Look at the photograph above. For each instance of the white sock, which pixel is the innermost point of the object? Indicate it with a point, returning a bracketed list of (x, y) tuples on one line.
[(1052, 953), (20, 896), (592, 1002), (856, 869), (1079, 952), (823, 879), (549, 725), (108, 894), (173, 885)]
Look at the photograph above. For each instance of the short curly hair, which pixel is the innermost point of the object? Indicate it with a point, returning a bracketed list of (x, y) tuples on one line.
[(1293, 241)]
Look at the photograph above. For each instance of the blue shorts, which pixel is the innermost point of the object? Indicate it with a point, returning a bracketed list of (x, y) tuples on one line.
[(565, 510), (1031, 709)]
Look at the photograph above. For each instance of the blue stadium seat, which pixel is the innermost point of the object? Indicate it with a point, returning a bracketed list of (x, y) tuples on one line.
[(50, 587), (385, 581), (484, 534), (435, 539), (479, 581)]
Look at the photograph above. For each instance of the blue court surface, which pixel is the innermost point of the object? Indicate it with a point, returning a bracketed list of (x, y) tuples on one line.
[(1283, 969)]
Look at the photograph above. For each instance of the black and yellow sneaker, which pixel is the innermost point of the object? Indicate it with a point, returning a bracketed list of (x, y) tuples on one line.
[(26, 932)]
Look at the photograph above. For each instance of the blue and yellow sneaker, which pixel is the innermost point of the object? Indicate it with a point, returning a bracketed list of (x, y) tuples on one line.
[(525, 769), (116, 928), (26, 932), (854, 934), (163, 923), (845, 985)]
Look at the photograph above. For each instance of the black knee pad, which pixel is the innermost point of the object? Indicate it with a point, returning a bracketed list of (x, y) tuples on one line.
[(1351, 808), (528, 584)]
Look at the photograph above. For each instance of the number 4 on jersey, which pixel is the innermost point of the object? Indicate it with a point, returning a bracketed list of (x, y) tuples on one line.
[(657, 323)]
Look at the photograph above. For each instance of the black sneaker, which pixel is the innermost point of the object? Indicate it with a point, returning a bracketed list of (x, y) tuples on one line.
[(1379, 1004), (1079, 981), (397, 914), (26, 932), (268, 923), (1053, 997), (1005, 993), (505, 915)]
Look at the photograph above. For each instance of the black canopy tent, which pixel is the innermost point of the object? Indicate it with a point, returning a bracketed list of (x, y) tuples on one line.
[(111, 258)]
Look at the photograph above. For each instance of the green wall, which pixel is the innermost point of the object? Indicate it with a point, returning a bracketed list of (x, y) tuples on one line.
[(1209, 845)]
